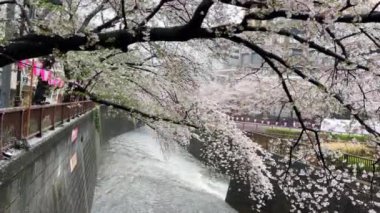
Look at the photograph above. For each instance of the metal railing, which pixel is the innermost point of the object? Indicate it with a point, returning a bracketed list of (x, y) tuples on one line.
[(24, 123), (360, 162)]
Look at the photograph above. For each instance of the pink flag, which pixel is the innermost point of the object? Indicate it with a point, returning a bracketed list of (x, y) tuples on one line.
[(37, 69), (23, 63), (57, 82), (51, 81), (45, 74), (61, 84)]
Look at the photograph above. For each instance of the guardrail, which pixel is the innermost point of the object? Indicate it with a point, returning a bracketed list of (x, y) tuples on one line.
[(283, 122), (360, 162), (24, 123)]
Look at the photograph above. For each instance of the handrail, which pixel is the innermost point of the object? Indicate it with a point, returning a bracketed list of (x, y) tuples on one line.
[(16, 126)]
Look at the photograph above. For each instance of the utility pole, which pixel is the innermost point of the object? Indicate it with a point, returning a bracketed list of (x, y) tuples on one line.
[(6, 75)]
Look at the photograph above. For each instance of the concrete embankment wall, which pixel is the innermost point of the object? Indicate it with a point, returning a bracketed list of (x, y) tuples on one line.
[(58, 173)]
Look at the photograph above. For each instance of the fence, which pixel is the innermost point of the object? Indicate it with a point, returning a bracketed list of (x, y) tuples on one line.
[(23, 123), (361, 162), (282, 122)]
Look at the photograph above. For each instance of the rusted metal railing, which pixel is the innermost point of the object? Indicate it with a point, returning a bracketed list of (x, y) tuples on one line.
[(17, 124)]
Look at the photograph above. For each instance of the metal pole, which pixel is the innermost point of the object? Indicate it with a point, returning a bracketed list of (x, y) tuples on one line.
[(18, 97), (30, 98), (6, 75)]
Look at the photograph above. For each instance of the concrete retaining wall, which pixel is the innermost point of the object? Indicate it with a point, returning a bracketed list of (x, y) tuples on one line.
[(57, 174)]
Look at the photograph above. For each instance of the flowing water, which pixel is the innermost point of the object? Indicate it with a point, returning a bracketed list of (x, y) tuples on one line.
[(136, 176)]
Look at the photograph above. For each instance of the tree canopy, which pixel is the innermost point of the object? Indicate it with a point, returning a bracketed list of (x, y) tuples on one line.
[(154, 59)]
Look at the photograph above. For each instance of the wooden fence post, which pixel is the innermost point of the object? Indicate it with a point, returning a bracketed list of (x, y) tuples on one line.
[(1, 134), (40, 122), (22, 124), (53, 117)]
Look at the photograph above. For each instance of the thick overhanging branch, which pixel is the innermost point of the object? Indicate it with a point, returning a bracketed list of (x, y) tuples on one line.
[(8, 2), (246, 3), (32, 46), (200, 13)]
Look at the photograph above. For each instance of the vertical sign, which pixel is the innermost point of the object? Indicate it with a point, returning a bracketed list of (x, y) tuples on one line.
[(74, 134), (73, 162)]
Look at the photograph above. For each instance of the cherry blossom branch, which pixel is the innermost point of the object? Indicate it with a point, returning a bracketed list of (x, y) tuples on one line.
[(370, 37), (375, 7), (309, 79), (154, 12), (107, 24), (338, 42), (373, 17), (91, 15), (348, 5), (264, 54), (311, 44), (153, 117)]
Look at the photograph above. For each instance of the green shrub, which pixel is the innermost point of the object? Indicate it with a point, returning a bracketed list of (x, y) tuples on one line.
[(347, 137), (283, 132)]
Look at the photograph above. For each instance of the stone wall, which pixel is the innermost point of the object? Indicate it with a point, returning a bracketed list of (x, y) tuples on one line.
[(57, 174)]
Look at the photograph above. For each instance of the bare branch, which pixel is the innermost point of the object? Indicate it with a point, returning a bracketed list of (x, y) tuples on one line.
[(374, 8), (338, 42), (123, 13), (370, 37), (90, 16), (8, 2), (200, 13), (107, 24), (154, 12)]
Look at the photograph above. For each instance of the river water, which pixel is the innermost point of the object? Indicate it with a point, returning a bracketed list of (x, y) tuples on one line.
[(136, 176)]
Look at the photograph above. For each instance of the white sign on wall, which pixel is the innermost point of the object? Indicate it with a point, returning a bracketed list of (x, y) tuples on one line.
[(73, 162)]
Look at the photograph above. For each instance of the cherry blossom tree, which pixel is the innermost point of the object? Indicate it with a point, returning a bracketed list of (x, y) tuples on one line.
[(152, 59)]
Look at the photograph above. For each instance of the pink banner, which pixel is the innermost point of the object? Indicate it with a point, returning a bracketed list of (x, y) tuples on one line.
[(57, 81), (51, 81), (61, 84), (23, 63), (45, 74), (37, 69)]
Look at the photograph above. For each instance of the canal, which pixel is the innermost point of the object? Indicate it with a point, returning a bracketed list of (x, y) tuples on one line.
[(135, 175)]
